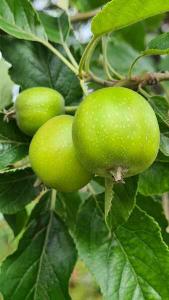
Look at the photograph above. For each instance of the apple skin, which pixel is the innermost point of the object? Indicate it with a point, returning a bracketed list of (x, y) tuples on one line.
[(35, 106), (53, 157), (116, 128)]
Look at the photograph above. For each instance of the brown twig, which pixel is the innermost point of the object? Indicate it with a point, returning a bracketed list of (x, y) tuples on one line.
[(94, 78), (84, 16), (143, 80), (151, 78)]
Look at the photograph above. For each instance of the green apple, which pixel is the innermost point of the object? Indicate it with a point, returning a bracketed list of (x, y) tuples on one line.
[(53, 157), (35, 106), (115, 131)]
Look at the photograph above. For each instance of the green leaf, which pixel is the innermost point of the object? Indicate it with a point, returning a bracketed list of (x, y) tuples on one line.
[(118, 14), (88, 5), (164, 144), (57, 28), (161, 108), (6, 85), (13, 144), (152, 24), (123, 202), (164, 65), (17, 221), (109, 195), (154, 209), (97, 185), (158, 46), (121, 55), (6, 240), (67, 206), (154, 181), (42, 68), (16, 190), (19, 19), (162, 158), (133, 263), (134, 35), (41, 267)]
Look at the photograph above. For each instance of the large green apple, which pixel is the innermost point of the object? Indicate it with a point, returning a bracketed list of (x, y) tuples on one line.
[(115, 131), (53, 157), (35, 106)]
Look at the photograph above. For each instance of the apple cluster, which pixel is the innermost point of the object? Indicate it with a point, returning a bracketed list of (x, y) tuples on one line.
[(113, 133)]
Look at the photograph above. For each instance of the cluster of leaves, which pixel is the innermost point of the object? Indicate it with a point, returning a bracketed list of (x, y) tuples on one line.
[(130, 260)]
